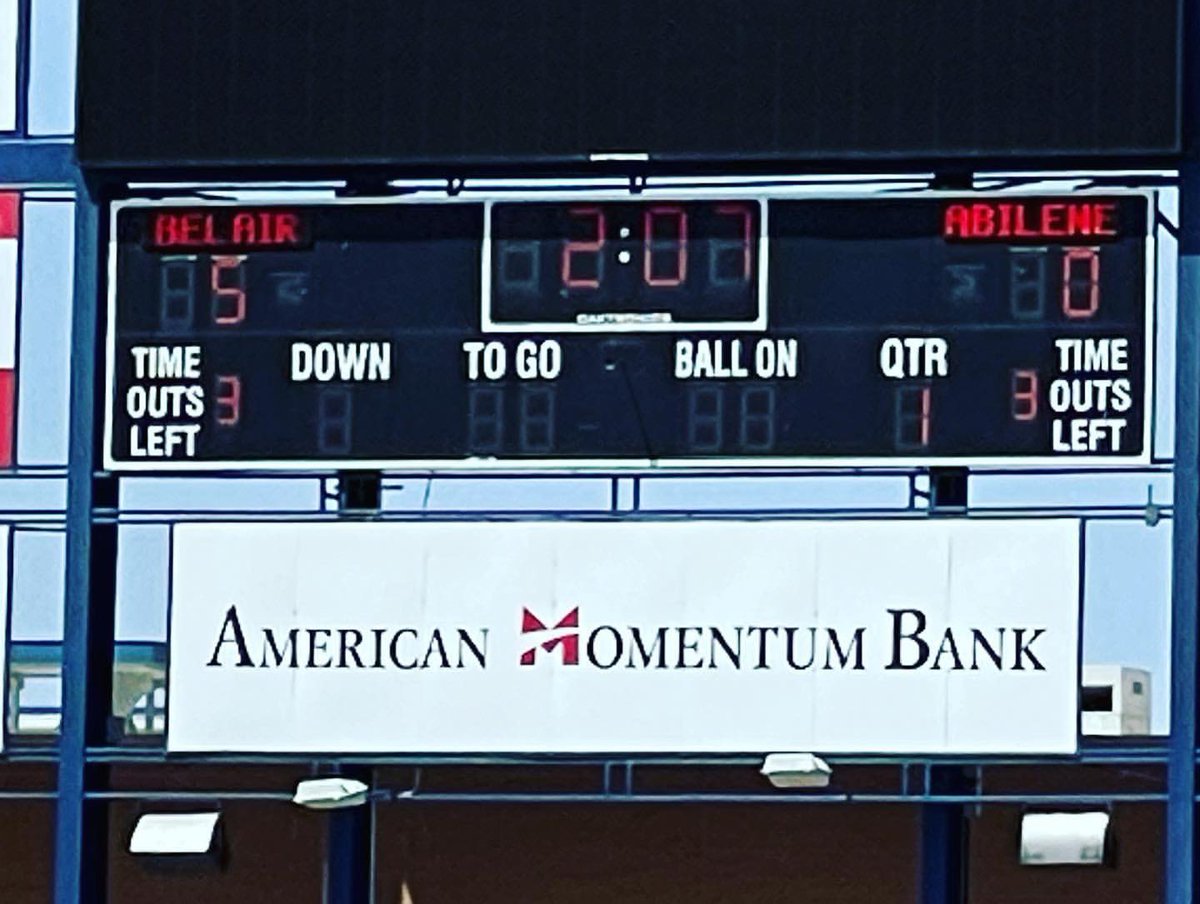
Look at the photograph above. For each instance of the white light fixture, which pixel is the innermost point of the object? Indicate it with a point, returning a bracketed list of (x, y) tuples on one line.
[(796, 770), (1057, 839), (157, 834), (618, 156), (330, 793)]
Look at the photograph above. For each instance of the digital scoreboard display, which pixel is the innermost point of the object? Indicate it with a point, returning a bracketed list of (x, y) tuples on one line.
[(610, 330)]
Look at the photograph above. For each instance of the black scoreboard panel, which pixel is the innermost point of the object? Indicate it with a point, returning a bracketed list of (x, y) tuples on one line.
[(409, 82), (584, 330)]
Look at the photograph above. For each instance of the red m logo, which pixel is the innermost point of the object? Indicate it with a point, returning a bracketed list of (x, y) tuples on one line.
[(569, 642)]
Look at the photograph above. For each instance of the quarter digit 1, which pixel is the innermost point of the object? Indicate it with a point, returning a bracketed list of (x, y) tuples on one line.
[(914, 415)]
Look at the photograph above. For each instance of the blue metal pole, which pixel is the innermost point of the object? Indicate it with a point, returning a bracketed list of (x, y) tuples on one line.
[(943, 854), (43, 163), (1179, 884), (1181, 763), (74, 854), (348, 874)]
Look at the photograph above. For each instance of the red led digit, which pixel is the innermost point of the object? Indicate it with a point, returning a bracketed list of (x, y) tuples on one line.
[(572, 249), (677, 246), (1024, 395), (914, 416), (1081, 283), (177, 292), (335, 408), (926, 414), (743, 211), (228, 408), (228, 290)]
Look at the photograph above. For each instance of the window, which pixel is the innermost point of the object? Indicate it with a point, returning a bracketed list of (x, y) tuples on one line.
[(1098, 699)]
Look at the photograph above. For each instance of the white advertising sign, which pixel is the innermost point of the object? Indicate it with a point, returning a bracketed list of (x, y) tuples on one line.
[(604, 637)]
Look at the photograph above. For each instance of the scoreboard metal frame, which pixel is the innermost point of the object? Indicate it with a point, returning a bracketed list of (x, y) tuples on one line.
[(761, 190)]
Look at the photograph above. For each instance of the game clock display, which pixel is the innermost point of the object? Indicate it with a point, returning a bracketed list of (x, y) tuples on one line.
[(627, 263), (599, 330)]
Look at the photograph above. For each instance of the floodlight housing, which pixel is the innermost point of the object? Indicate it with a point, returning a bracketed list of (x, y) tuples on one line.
[(796, 770), (333, 793), (1064, 839)]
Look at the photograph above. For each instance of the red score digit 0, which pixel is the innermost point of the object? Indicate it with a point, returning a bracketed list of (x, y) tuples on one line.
[(677, 245), (1081, 283)]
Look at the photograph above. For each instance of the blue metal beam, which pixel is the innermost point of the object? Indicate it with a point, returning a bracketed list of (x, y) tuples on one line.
[(49, 163), (75, 855), (348, 876), (24, 18), (1181, 762), (1155, 751), (1180, 885), (943, 855)]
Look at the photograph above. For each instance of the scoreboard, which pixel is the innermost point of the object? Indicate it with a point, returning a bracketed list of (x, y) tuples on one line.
[(601, 328)]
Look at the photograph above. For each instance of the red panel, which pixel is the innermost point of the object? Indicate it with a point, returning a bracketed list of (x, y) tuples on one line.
[(10, 220), (8, 416)]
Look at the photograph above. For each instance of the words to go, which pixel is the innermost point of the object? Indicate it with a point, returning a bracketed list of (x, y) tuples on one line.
[(534, 360)]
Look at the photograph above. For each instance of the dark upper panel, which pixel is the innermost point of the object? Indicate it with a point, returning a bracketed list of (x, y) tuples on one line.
[(406, 82)]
